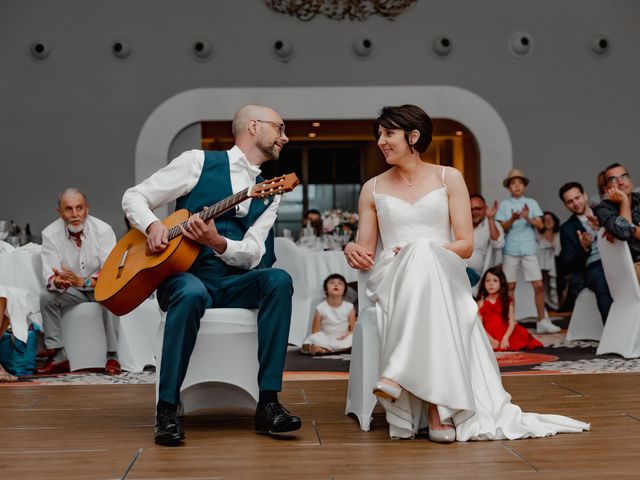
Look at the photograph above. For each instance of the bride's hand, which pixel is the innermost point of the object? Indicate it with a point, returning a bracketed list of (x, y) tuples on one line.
[(358, 257)]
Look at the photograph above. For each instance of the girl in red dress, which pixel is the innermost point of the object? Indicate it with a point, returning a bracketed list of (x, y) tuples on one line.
[(498, 321)]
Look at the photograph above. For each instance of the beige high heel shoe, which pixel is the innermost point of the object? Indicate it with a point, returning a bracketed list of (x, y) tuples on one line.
[(387, 391), (446, 435)]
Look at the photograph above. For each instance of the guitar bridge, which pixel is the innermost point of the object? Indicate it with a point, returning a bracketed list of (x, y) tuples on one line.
[(123, 259)]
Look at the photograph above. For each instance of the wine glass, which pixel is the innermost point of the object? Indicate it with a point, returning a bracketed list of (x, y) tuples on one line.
[(4, 229)]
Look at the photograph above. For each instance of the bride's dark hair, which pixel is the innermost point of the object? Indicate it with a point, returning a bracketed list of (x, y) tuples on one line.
[(407, 118)]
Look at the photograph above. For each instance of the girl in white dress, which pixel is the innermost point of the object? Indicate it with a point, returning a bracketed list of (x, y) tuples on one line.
[(433, 349), (333, 321)]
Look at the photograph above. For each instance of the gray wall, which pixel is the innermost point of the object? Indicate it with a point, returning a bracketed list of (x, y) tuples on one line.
[(73, 119)]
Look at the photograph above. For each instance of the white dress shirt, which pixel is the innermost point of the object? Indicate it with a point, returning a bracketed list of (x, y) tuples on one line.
[(481, 244), (59, 249), (179, 177)]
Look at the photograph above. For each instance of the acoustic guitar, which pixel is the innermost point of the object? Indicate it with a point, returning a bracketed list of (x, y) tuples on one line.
[(131, 273)]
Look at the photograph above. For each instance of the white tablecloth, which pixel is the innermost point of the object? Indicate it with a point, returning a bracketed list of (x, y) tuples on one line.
[(319, 265), (21, 284)]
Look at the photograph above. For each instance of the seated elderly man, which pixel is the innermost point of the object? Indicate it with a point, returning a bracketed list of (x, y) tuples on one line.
[(487, 234), (619, 213), (579, 253), (74, 248)]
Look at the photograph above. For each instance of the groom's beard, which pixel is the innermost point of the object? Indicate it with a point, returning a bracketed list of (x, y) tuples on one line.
[(75, 228)]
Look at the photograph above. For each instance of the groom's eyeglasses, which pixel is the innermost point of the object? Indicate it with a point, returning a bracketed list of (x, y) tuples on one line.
[(279, 126)]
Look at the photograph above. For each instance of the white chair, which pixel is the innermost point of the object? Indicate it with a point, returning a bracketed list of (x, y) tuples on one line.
[(364, 369), (137, 336), (621, 333), (288, 259), (585, 322), (84, 337), (223, 369)]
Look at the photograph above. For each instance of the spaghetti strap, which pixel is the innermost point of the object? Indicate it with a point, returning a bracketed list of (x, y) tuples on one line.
[(375, 179), (443, 170)]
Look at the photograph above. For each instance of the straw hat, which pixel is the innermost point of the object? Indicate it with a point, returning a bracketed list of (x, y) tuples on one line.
[(515, 173)]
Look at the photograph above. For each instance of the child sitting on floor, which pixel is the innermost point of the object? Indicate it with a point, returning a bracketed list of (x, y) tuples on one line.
[(333, 321), (497, 313)]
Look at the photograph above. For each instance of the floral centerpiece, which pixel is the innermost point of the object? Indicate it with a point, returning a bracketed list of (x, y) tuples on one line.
[(340, 222)]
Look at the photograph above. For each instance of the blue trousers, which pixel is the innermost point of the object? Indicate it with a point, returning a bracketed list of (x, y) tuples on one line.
[(185, 297), (593, 278)]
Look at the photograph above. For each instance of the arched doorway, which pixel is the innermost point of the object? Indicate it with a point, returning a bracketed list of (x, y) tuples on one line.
[(322, 103)]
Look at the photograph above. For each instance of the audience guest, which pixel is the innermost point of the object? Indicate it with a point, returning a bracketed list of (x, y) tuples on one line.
[(487, 234), (602, 185), (313, 219), (4, 324), (495, 308), (579, 254), (74, 248), (548, 251), (520, 216), (619, 213), (333, 321)]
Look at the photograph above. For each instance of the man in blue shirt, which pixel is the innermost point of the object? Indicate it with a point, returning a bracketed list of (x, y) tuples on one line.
[(519, 216)]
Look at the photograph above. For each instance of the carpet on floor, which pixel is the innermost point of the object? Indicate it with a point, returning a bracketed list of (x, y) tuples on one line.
[(555, 357)]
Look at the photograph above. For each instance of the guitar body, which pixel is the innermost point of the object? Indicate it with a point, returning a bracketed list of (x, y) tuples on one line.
[(130, 274)]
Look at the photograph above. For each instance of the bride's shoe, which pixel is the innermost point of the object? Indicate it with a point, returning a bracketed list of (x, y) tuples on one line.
[(442, 435), (447, 435), (387, 391)]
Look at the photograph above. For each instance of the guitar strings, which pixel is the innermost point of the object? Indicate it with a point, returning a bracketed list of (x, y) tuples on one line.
[(210, 212)]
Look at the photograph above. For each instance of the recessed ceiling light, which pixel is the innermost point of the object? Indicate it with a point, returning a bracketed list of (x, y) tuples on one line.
[(459, 133), (312, 135), (315, 124)]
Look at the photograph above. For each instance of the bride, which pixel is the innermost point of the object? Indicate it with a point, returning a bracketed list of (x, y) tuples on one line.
[(436, 364)]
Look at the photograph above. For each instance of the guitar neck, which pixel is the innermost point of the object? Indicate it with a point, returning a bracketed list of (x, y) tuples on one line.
[(214, 210)]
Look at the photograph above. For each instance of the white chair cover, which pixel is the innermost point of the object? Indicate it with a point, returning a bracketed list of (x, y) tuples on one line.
[(621, 333), (84, 337), (586, 322), (288, 259), (137, 336), (223, 369), (364, 369)]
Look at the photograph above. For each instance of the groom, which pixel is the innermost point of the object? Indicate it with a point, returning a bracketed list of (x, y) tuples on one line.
[(233, 268)]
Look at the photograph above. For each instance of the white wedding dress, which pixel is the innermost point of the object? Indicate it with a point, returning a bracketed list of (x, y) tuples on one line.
[(431, 340)]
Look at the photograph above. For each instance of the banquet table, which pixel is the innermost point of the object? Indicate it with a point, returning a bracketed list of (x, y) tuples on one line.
[(319, 265), (21, 283)]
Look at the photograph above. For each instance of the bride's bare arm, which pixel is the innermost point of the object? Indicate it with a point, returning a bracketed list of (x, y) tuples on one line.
[(359, 254), (460, 213)]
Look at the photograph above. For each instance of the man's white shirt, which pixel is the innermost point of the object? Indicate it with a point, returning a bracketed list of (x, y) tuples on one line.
[(481, 244)]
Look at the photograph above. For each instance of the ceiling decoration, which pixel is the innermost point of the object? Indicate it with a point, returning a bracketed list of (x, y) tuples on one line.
[(340, 9)]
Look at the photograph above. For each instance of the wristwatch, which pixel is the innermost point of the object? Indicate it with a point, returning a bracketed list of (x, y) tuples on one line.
[(87, 282)]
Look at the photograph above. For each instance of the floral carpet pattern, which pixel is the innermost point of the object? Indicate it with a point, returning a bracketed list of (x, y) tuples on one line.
[(555, 357)]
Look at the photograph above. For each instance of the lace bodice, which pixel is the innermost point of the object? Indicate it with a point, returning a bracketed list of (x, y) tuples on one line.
[(400, 222)]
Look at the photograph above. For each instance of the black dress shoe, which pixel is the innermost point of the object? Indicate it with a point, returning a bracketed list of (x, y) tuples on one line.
[(274, 418), (168, 430)]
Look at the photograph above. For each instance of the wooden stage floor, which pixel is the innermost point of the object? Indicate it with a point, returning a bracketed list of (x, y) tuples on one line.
[(106, 432)]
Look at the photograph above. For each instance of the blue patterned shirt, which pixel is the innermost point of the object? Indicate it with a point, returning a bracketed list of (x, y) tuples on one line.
[(520, 240)]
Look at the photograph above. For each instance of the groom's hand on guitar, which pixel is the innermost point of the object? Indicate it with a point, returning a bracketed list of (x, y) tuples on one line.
[(157, 237), (204, 233)]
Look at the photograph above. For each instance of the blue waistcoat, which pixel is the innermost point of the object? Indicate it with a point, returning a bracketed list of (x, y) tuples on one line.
[(213, 186)]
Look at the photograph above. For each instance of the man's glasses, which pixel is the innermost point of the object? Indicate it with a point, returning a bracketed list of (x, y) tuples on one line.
[(618, 179), (279, 126)]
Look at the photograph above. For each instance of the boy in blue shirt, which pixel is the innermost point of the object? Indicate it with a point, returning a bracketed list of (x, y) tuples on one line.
[(520, 216)]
